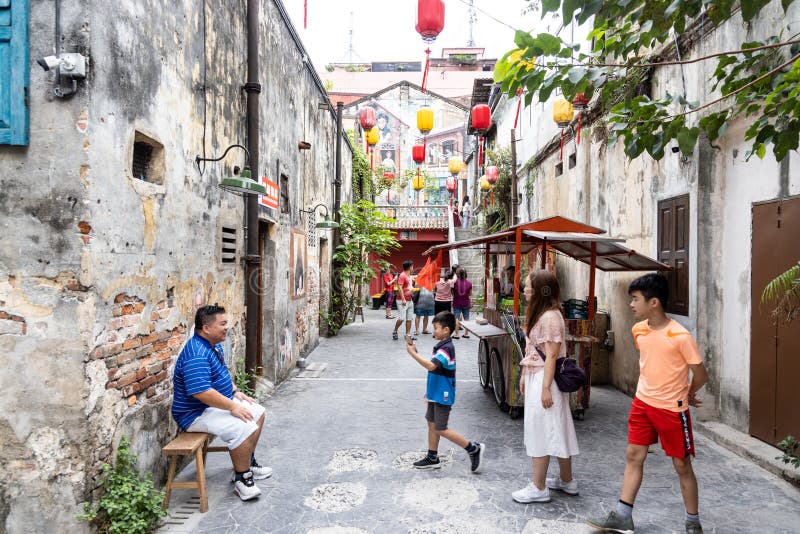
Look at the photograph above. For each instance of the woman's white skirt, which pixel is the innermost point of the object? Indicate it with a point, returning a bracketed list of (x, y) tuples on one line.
[(548, 432)]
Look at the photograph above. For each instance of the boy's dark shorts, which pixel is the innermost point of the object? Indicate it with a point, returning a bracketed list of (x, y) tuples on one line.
[(438, 414)]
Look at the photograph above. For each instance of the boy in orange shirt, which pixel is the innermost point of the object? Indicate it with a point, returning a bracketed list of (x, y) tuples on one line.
[(660, 410)]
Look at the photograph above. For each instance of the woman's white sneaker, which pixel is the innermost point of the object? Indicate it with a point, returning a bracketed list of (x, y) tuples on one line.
[(570, 488), (531, 493)]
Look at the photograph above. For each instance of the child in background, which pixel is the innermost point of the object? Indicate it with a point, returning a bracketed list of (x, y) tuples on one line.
[(441, 394)]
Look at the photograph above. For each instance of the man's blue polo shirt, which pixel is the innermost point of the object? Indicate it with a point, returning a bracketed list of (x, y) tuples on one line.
[(200, 367)]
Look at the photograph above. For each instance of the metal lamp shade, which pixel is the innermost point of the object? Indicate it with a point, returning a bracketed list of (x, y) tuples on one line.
[(243, 185), (327, 224)]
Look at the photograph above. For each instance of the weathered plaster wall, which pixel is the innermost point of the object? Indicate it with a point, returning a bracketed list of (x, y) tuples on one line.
[(607, 190), (44, 280), (100, 272)]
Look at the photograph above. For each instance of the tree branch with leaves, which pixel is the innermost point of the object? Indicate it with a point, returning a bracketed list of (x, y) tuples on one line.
[(757, 80)]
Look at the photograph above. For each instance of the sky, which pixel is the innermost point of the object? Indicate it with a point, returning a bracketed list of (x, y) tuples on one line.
[(383, 30)]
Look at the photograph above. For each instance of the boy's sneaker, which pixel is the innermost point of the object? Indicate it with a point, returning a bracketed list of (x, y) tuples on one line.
[(531, 493), (245, 487), (394, 336), (428, 463), (476, 458), (570, 488), (612, 523), (693, 527)]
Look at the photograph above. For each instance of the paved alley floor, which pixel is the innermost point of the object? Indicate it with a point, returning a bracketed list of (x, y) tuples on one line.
[(341, 446)]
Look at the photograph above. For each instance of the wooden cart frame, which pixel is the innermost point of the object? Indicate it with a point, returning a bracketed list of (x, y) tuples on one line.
[(498, 356)]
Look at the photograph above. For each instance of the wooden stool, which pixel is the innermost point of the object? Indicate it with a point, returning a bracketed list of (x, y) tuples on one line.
[(358, 310), (185, 444)]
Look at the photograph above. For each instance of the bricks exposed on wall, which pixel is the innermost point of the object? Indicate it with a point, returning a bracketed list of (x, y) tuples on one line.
[(12, 324), (138, 362)]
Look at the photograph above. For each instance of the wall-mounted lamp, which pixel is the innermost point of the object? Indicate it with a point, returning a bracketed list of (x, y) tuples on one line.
[(326, 223), (238, 185)]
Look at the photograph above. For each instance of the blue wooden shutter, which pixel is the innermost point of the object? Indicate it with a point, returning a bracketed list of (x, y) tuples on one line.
[(14, 72)]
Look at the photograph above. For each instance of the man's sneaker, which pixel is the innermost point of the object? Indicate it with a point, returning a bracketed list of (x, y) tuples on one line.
[(245, 487), (476, 458), (531, 493), (427, 463), (693, 527), (612, 523), (260, 472), (570, 488)]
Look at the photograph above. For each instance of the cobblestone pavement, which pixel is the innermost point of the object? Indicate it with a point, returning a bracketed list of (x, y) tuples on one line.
[(341, 446)]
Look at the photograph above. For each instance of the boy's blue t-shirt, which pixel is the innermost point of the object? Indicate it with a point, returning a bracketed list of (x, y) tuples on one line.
[(442, 380)]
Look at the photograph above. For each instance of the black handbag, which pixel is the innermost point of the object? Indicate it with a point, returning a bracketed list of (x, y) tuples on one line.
[(568, 376)]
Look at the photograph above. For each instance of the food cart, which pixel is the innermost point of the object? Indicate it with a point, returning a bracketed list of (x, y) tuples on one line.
[(501, 342)]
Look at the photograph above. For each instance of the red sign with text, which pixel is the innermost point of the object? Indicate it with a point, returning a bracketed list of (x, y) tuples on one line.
[(272, 198)]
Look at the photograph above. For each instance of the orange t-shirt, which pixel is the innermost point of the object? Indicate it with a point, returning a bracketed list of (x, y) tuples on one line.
[(664, 359)]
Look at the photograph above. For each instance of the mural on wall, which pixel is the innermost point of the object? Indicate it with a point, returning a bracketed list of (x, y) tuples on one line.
[(297, 264), (287, 347)]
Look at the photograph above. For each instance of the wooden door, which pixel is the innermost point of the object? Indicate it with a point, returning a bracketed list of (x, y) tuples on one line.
[(774, 345)]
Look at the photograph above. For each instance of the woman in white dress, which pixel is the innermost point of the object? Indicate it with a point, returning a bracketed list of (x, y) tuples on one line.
[(549, 430)]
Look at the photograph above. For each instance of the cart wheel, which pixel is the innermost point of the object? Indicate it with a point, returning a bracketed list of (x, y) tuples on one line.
[(498, 380), (515, 412), (484, 370)]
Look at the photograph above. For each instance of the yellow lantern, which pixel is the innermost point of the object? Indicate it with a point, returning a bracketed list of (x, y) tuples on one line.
[(418, 182), (454, 165), (563, 112), (373, 135), (485, 185), (425, 120)]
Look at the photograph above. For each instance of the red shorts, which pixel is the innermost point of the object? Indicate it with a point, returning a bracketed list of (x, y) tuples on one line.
[(647, 425)]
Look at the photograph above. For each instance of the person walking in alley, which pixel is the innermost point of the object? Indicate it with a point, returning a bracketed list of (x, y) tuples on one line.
[(206, 400), (465, 212), (405, 306), (443, 292), (461, 301), (660, 409), (441, 395), (389, 280), (549, 430), (424, 308)]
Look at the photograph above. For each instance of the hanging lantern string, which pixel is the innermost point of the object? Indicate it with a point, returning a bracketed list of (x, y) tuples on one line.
[(519, 107), (427, 67), (480, 151), (561, 151), (579, 127), (305, 15)]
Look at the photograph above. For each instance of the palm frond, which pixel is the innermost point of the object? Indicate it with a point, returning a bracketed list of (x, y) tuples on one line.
[(782, 285)]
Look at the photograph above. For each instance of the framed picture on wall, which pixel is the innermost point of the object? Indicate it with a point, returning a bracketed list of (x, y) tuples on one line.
[(297, 264)]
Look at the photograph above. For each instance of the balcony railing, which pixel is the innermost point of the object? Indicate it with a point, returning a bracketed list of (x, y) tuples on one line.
[(416, 217)]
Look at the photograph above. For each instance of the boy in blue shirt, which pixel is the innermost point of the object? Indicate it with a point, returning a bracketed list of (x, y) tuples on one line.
[(441, 394)]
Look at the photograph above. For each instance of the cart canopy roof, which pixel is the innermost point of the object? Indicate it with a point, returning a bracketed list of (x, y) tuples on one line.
[(569, 237)]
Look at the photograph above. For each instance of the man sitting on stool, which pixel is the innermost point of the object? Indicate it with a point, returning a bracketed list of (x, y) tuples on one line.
[(205, 400)]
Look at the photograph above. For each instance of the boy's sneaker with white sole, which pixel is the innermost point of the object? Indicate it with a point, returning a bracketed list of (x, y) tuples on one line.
[(531, 493), (476, 458), (245, 487), (570, 488), (612, 523)]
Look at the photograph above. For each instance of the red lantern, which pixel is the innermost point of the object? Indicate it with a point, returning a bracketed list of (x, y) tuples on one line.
[(389, 176), (430, 19), (492, 173), (366, 118), (481, 118), (580, 102), (481, 121), (418, 153), (450, 184)]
